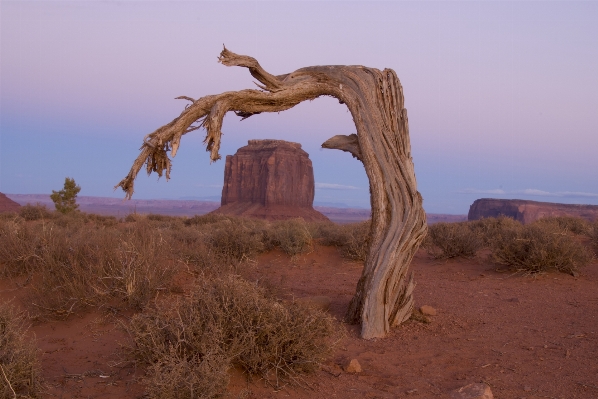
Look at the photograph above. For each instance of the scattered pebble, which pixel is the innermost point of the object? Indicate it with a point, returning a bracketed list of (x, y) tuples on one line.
[(353, 366), (428, 310), (473, 391)]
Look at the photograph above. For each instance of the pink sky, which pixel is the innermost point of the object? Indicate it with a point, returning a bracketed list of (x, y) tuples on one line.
[(502, 97)]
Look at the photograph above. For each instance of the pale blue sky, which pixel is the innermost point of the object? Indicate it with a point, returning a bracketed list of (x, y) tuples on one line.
[(502, 96)]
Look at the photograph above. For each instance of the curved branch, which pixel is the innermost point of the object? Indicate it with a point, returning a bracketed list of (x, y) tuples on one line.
[(348, 143), (383, 296)]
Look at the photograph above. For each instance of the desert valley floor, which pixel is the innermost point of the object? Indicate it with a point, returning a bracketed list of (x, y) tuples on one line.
[(525, 336)]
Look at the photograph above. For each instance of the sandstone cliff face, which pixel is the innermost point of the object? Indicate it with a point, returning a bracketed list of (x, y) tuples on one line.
[(269, 179), (8, 205), (528, 211)]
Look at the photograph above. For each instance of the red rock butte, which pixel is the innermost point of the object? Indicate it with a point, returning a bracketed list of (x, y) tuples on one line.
[(269, 179), (8, 205), (528, 211)]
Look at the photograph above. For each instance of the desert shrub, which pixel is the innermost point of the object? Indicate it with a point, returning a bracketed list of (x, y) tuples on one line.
[(133, 217), (352, 239), (87, 266), (573, 224), (208, 218), (102, 220), (9, 216), (34, 212), (18, 357), (450, 240), (488, 229), (540, 247), (236, 240), (291, 236), (593, 234), (189, 344)]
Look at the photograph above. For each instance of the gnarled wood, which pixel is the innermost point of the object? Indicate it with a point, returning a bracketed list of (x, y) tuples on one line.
[(375, 100)]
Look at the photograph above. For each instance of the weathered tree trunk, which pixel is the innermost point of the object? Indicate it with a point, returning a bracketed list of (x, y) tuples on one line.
[(375, 100)]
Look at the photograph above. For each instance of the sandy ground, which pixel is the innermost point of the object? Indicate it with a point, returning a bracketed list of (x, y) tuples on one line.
[(527, 337)]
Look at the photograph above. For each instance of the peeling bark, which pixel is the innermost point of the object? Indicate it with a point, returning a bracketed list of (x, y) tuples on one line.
[(375, 99)]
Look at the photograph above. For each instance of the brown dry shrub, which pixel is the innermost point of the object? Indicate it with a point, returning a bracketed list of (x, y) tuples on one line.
[(451, 240), (352, 239), (573, 224), (18, 357), (235, 239), (75, 268), (540, 247), (291, 236), (35, 212), (191, 343), (593, 234), (488, 229)]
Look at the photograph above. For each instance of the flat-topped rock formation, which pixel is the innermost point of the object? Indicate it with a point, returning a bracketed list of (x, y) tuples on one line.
[(269, 179), (8, 205), (528, 211)]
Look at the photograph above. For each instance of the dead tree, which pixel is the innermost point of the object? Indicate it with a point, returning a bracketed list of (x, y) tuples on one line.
[(375, 99)]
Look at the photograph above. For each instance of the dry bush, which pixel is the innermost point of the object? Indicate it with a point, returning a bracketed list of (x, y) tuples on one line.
[(9, 216), (191, 343), (489, 229), (35, 212), (593, 233), (540, 247), (18, 357), (573, 224), (291, 236), (208, 218), (352, 239), (450, 240), (74, 268), (235, 239)]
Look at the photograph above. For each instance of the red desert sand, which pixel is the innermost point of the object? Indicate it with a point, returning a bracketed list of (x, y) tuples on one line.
[(526, 337)]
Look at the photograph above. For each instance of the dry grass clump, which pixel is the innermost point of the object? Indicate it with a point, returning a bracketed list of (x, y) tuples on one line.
[(291, 236), (451, 240), (190, 344), (35, 212), (540, 247), (73, 268), (19, 367), (352, 239)]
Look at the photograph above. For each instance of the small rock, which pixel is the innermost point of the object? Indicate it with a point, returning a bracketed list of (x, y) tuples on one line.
[(411, 391), (428, 310), (473, 391), (353, 366), (513, 300), (527, 388), (316, 302)]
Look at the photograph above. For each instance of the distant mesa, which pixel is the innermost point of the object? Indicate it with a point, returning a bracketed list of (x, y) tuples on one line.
[(528, 211), (269, 179), (8, 205)]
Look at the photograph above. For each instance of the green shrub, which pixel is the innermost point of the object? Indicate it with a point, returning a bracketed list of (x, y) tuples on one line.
[(18, 357), (540, 247), (450, 240), (65, 200), (34, 212), (190, 344)]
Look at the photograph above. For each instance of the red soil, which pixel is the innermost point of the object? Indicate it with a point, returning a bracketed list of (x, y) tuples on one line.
[(527, 337)]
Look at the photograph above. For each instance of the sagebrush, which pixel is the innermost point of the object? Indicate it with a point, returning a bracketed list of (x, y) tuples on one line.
[(190, 344)]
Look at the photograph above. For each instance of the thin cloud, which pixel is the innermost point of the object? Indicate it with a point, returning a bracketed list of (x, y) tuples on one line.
[(531, 192), (332, 186), (477, 191)]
